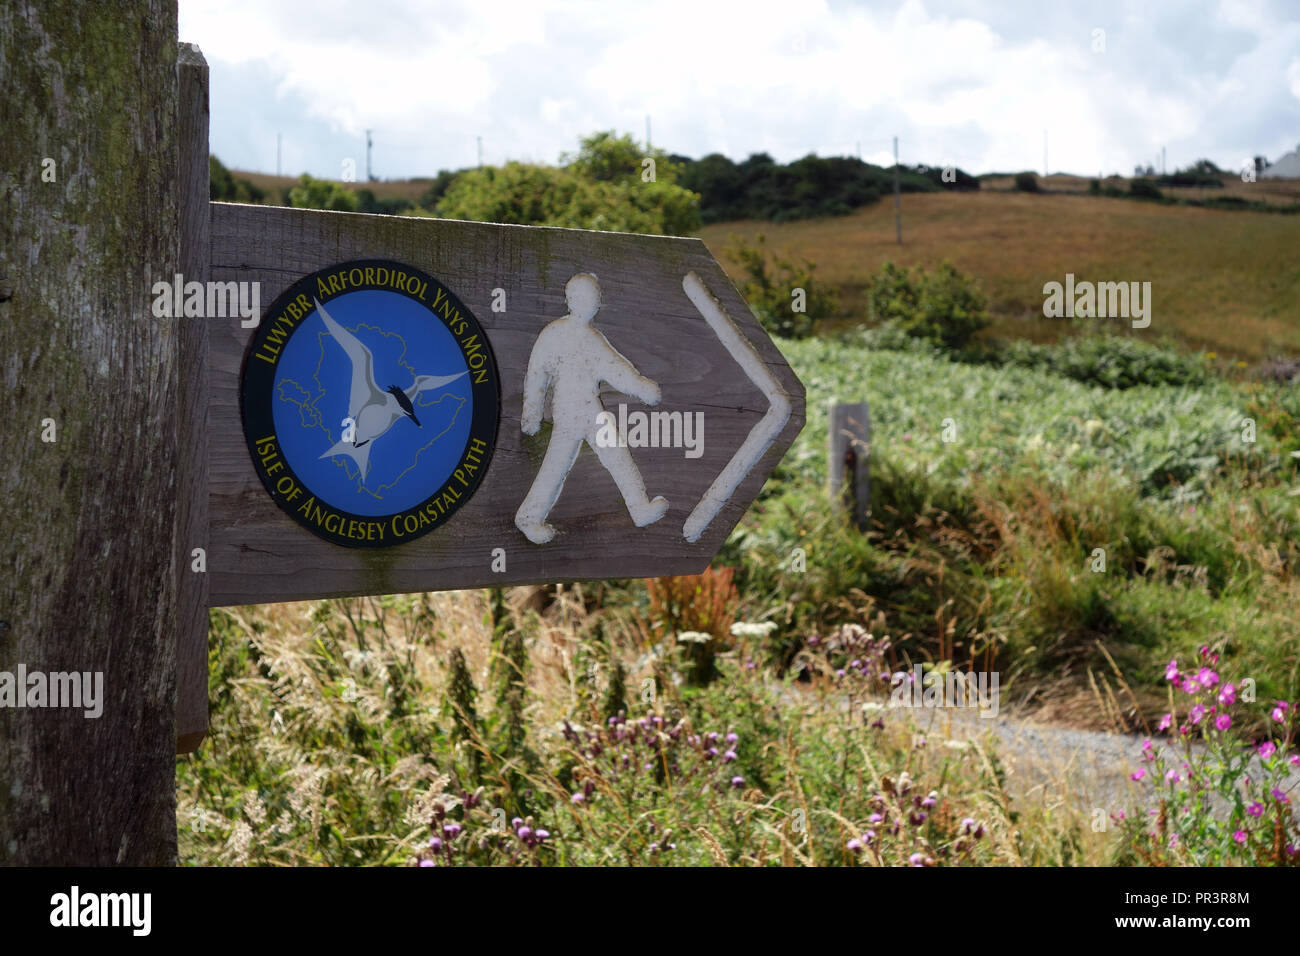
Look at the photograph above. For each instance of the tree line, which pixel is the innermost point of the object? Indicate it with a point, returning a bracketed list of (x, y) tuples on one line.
[(615, 183)]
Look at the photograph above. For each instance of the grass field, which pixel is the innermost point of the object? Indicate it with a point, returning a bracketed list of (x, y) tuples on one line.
[(457, 727), (1225, 281)]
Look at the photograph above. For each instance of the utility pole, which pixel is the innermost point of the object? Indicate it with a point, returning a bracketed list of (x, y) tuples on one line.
[(647, 133), (278, 137), (1044, 152), (369, 142), (859, 145), (1163, 169), (480, 152), (898, 206)]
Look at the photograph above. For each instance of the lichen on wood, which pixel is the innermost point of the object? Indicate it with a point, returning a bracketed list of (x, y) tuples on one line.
[(86, 572)]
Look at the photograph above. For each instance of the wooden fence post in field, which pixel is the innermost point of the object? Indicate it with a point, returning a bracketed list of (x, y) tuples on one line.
[(850, 454), (88, 597)]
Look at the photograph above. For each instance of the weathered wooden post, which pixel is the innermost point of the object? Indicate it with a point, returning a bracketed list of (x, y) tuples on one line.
[(88, 596), (191, 542), (850, 455)]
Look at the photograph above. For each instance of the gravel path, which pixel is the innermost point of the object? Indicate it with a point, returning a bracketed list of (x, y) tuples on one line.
[(1088, 768)]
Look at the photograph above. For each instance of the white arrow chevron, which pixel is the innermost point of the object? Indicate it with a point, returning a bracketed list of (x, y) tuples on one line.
[(762, 434)]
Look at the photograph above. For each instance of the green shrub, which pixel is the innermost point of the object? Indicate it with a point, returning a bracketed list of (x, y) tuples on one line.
[(1107, 361), (1026, 182), (602, 188), (785, 296), (1144, 189), (368, 202), (943, 307), (311, 193), (224, 187)]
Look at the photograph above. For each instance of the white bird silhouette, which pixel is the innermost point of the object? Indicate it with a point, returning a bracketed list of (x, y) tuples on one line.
[(373, 410)]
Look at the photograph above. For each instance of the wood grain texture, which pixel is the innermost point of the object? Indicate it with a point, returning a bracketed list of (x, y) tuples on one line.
[(87, 570), (191, 407), (850, 451), (258, 554)]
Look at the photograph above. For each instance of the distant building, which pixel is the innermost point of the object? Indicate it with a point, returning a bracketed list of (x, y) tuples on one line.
[(1288, 167)]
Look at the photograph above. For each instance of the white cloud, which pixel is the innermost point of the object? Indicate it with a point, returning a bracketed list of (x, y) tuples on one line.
[(960, 82)]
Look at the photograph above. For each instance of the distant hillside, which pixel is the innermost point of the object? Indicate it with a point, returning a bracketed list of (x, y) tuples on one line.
[(411, 189), (1222, 280)]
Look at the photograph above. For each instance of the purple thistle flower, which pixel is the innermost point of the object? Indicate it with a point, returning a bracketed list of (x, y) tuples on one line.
[(427, 863), (435, 843), (576, 798), (737, 782), (916, 859), (854, 845), (729, 756)]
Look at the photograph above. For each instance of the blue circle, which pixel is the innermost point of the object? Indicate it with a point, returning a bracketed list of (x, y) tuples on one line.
[(408, 462)]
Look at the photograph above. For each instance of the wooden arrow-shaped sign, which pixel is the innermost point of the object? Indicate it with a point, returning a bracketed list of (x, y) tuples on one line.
[(427, 404)]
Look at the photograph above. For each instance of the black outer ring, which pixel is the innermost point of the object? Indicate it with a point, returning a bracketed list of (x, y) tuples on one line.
[(257, 381)]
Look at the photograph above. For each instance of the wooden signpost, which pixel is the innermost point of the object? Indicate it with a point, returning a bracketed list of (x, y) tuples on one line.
[(640, 405), (399, 405), (666, 305)]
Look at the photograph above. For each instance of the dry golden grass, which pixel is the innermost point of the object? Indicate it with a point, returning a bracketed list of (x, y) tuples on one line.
[(1225, 281), (1279, 192)]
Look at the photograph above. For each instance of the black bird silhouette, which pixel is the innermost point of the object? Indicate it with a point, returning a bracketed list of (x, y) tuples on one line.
[(405, 402)]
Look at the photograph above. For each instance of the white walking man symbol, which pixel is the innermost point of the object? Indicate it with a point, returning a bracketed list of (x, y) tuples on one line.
[(569, 360)]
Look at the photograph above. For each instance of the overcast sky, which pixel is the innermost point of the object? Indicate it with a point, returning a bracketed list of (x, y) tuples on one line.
[(961, 82)]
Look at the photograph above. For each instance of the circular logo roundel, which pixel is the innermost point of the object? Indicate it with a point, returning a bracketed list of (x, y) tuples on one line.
[(370, 403)]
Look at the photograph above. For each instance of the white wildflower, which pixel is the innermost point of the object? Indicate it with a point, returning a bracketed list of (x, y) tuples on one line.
[(759, 629)]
